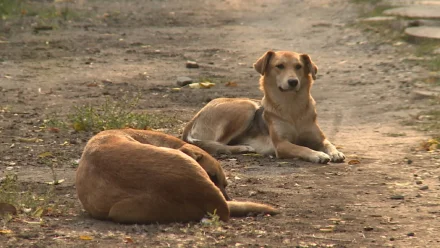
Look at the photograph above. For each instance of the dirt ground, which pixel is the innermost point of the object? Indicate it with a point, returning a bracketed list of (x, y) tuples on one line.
[(142, 46)]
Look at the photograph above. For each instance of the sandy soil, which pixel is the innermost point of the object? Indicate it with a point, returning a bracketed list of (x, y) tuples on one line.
[(142, 46)]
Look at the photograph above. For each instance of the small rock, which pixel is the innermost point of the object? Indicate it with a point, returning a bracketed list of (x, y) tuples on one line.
[(182, 81), (191, 64), (419, 182), (6, 208), (252, 193), (418, 195), (409, 161), (410, 234), (424, 187), (392, 239), (368, 228), (397, 197)]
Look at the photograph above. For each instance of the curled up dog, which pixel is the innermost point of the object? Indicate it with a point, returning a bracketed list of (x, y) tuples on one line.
[(138, 176), (283, 123)]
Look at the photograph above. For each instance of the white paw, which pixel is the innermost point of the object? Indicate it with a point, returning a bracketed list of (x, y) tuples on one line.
[(247, 149), (337, 156), (320, 157)]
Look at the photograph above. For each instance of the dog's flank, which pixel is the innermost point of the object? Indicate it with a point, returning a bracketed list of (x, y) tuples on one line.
[(288, 127), (138, 176)]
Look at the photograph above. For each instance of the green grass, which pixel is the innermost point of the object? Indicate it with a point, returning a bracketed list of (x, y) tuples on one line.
[(111, 114), (10, 8), (24, 199), (44, 11)]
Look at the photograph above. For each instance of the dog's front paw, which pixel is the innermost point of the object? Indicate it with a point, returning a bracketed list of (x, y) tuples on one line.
[(245, 149), (320, 157), (337, 156)]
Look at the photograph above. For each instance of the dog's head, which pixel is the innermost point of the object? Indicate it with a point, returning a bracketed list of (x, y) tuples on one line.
[(288, 69), (210, 165)]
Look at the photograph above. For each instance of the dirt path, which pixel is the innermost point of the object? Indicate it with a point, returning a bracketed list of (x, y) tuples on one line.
[(143, 46)]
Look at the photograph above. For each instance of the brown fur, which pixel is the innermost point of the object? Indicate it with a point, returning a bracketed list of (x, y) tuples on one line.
[(287, 126), (138, 176)]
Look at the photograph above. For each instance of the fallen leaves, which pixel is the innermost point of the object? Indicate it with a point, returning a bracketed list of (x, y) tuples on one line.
[(5, 231), (231, 84), (431, 144), (29, 140), (354, 161), (45, 155), (128, 240), (85, 237), (201, 85)]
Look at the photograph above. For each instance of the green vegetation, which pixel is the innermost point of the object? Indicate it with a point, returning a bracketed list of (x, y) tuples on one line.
[(45, 12), (112, 114)]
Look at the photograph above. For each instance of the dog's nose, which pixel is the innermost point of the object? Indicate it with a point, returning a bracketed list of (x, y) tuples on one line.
[(292, 82)]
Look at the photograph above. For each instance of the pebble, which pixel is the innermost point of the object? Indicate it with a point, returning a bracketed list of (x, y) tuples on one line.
[(411, 234), (424, 187), (191, 64), (397, 197), (182, 81), (368, 228)]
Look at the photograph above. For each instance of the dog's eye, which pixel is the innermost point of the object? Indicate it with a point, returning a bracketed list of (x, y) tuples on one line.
[(280, 66), (298, 67)]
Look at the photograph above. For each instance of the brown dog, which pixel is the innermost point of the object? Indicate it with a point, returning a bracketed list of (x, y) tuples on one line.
[(138, 176), (283, 123)]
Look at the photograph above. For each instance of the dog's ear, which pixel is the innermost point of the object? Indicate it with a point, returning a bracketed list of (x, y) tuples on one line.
[(309, 66), (262, 63), (191, 152)]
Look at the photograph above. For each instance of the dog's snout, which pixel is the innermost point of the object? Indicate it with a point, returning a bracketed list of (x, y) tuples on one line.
[(292, 82)]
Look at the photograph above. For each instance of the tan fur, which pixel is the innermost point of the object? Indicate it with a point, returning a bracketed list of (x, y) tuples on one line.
[(286, 125), (138, 176)]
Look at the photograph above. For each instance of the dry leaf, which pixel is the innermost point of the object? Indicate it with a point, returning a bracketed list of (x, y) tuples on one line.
[(128, 240), (201, 85), (29, 140), (354, 161), (5, 231), (38, 212), (53, 130), (45, 155), (231, 84), (85, 237), (56, 182)]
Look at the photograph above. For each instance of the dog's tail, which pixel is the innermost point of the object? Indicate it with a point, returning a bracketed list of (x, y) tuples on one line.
[(241, 209)]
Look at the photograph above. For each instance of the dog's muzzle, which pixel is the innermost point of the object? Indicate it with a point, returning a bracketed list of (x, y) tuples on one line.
[(292, 84)]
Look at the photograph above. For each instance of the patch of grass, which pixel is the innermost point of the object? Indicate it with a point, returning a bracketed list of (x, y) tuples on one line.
[(212, 220), (24, 199), (10, 8), (112, 114), (46, 11)]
